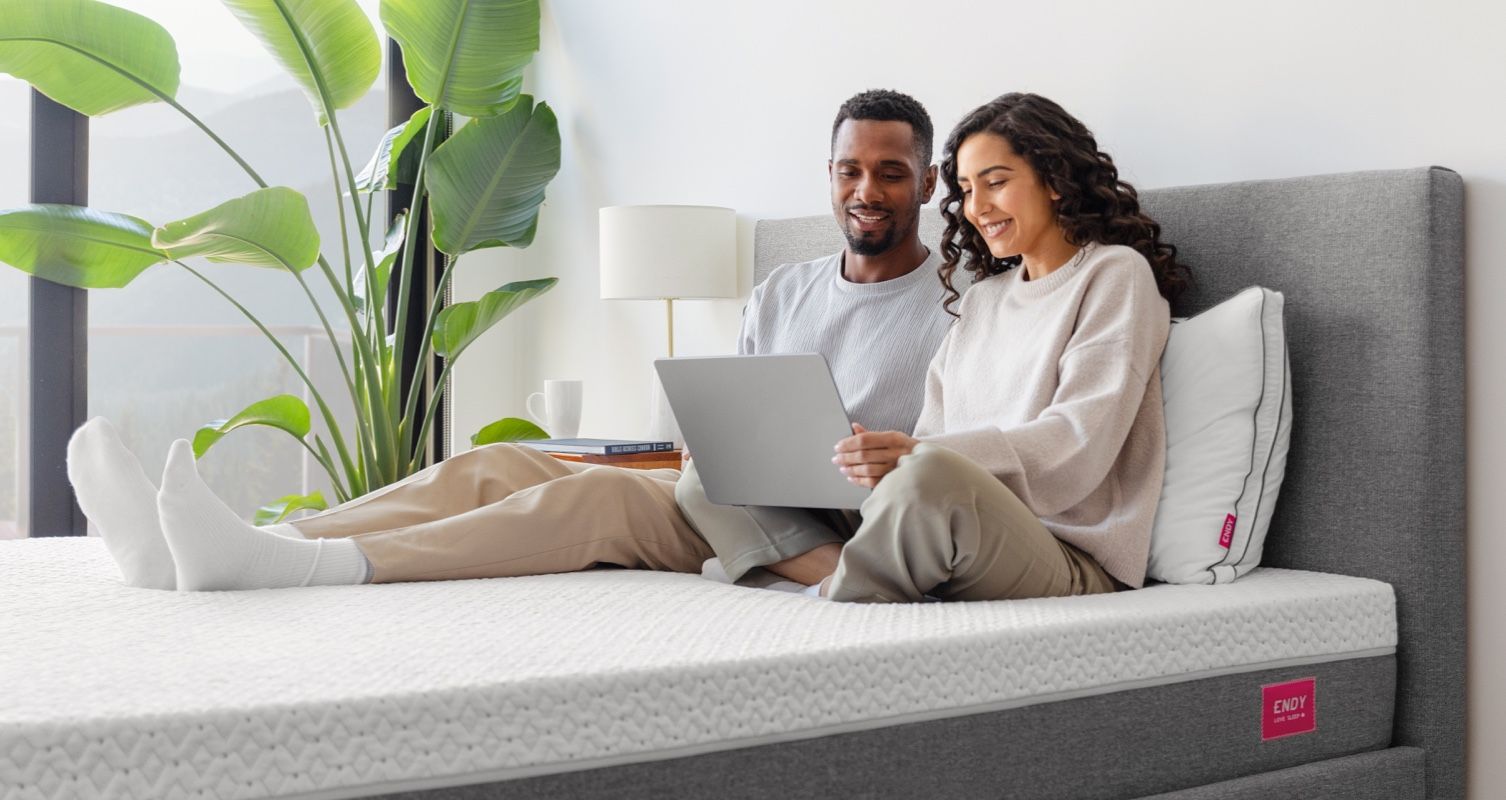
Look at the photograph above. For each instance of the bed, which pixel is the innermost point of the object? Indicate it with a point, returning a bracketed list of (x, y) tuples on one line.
[(621, 683)]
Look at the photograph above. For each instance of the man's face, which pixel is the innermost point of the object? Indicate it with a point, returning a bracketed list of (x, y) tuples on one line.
[(877, 184)]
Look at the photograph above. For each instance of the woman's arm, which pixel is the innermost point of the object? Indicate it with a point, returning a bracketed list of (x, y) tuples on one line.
[(867, 456), (1057, 459)]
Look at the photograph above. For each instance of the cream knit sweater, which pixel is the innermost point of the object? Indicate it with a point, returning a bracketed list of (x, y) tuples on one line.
[(1054, 387)]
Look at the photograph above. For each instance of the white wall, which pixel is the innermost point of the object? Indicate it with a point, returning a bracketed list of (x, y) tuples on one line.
[(731, 104)]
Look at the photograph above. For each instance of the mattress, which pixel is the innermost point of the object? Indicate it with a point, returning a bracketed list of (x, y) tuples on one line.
[(331, 692)]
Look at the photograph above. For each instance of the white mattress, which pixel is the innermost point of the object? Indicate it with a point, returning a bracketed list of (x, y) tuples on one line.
[(328, 692)]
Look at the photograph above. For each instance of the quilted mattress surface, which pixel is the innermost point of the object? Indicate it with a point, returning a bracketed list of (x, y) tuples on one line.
[(108, 691)]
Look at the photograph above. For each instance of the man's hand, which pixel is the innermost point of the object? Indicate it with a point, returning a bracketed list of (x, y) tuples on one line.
[(867, 456)]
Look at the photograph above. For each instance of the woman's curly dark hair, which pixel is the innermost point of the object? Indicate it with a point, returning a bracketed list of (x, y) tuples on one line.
[(1095, 206)]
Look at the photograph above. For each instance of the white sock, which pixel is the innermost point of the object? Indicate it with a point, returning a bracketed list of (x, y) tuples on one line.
[(284, 529), (117, 496), (814, 590), (217, 550), (711, 570)]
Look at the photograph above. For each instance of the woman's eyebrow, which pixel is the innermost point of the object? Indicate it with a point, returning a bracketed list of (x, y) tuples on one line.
[(994, 168)]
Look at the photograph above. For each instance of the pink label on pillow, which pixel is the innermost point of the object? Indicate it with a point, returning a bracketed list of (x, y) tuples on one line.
[(1288, 708), (1226, 536)]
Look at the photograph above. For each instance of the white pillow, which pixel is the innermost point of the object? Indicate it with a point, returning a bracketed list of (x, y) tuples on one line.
[(1227, 388)]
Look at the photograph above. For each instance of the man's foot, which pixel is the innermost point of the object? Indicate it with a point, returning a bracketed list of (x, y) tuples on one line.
[(117, 496), (217, 550)]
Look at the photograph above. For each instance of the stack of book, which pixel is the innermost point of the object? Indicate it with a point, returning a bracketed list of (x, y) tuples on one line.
[(631, 453)]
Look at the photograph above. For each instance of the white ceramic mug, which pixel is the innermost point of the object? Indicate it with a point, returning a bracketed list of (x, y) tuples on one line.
[(562, 402)]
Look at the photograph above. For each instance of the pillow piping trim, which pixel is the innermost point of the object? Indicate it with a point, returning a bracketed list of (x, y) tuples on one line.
[(1265, 474), (1254, 436)]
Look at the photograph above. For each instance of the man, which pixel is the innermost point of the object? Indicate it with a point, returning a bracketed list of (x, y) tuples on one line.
[(873, 310)]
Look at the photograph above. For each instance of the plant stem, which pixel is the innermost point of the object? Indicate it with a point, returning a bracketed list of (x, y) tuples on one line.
[(334, 174), (329, 468), (433, 406), (217, 140), (341, 493), (329, 417), (373, 391), (371, 302), (328, 331), (387, 446)]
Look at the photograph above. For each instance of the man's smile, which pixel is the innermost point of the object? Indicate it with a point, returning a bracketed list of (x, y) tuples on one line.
[(868, 219)]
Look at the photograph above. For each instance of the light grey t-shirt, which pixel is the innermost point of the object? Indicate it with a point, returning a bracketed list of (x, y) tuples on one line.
[(878, 337)]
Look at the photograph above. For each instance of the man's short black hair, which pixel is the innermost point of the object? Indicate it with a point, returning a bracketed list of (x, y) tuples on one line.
[(884, 105)]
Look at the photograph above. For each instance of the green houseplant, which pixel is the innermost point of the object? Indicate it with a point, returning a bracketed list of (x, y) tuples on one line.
[(482, 187)]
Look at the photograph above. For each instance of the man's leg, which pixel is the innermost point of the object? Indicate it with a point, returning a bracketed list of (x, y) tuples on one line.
[(461, 483), (599, 515), (941, 525), (587, 516), (794, 542), (117, 496)]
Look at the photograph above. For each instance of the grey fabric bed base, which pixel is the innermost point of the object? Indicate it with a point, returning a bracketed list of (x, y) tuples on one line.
[(1110, 747), (1394, 774)]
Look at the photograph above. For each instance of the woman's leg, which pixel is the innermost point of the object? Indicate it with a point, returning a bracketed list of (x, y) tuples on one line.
[(941, 525), (461, 483), (745, 537), (597, 515)]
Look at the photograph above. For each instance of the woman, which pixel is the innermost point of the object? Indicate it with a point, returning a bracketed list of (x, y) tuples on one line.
[(1037, 462)]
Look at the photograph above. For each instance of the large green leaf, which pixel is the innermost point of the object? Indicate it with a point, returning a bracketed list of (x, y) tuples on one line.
[(508, 429), (273, 513), (461, 323), (487, 182), (89, 56), (266, 228), (285, 412), (378, 174), (465, 56), (328, 46), (77, 246)]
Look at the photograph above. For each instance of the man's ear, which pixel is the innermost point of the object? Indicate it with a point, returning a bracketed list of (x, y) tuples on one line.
[(828, 170), (930, 185)]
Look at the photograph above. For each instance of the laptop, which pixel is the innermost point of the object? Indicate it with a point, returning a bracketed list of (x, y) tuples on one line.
[(762, 428)]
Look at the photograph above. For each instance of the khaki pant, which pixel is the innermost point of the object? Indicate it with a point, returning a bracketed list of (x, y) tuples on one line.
[(937, 525), (504, 510)]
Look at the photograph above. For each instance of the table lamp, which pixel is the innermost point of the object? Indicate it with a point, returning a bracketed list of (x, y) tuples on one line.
[(668, 253)]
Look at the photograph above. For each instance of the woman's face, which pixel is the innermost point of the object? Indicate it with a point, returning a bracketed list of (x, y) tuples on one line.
[(1004, 199)]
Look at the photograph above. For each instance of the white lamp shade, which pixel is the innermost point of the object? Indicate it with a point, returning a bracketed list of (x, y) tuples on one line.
[(658, 252)]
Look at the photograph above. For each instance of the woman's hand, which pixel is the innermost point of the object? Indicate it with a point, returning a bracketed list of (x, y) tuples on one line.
[(867, 456)]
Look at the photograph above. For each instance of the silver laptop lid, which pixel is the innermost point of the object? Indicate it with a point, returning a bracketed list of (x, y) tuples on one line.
[(762, 428)]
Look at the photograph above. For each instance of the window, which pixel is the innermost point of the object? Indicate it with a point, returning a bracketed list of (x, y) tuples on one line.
[(168, 354), (15, 183)]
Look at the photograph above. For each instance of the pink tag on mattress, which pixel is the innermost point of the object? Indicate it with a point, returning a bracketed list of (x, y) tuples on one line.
[(1226, 536), (1288, 709)]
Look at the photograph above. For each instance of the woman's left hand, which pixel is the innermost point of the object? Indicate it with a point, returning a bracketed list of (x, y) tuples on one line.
[(867, 456)]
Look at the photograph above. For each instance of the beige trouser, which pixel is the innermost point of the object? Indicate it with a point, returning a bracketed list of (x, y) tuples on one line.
[(937, 525), (504, 510)]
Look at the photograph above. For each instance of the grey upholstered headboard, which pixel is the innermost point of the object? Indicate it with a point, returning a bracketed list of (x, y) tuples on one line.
[(1372, 266)]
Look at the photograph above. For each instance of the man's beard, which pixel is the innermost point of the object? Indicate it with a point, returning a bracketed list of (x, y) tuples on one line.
[(864, 246)]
